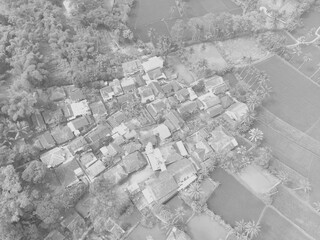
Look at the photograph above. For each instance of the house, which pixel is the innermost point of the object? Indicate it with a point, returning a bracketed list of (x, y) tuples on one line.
[(183, 171), (116, 231), (95, 136), (52, 117), (129, 97), (177, 234), (152, 64), (116, 86), (74, 94), (98, 109), (173, 120), (62, 134), (192, 95), (72, 221), (226, 101), (87, 159), (128, 84), (56, 156), (182, 95), (215, 85), (221, 142), (139, 80), (56, 94), (38, 122), (118, 139), (209, 100), (237, 111), (170, 153), (67, 111), (156, 108), (79, 125), (107, 93), (156, 88), (181, 148), (55, 235), (155, 158), (160, 187), (115, 174), (146, 94), (111, 150), (163, 131), (156, 74), (171, 87), (46, 140), (67, 172), (131, 67), (95, 169), (133, 162), (188, 107), (80, 108), (132, 147), (77, 145), (116, 119), (215, 111)]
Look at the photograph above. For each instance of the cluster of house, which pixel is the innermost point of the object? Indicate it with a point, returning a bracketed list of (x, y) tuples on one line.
[(141, 152)]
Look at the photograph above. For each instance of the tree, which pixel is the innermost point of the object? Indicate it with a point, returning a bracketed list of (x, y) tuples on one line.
[(262, 156), (164, 45), (252, 229), (34, 172), (306, 58), (199, 87), (202, 65), (254, 99), (304, 185), (195, 191), (47, 211), (255, 135)]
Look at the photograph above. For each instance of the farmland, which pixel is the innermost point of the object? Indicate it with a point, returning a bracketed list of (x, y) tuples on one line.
[(232, 201)]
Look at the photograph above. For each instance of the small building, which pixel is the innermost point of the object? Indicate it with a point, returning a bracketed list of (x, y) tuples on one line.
[(46, 140), (56, 156), (215, 85), (128, 84), (237, 111), (163, 131), (177, 234), (156, 88), (173, 120), (182, 95), (52, 117), (56, 94), (107, 93), (215, 111), (152, 64), (67, 173), (87, 159), (80, 108), (98, 109), (131, 147), (115, 174), (96, 136), (72, 221), (79, 125), (133, 162), (155, 158), (111, 150), (116, 86), (209, 100), (156, 74), (146, 94), (192, 95), (62, 134), (38, 122), (67, 111), (77, 145), (95, 169), (116, 119), (188, 107), (221, 142), (226, 101), (171, 87), (122, 99), (116, 231), (160, 188), (74, 94), (131, 67), (139, 80), (55, 235), (156, 108), (181, 148)]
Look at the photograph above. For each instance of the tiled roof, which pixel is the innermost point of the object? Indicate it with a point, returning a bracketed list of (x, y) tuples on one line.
[(62, 134)]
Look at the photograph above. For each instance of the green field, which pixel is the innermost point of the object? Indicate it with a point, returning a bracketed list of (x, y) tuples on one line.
[(310, 20), (295, 99), (275, 227), (232, 201)]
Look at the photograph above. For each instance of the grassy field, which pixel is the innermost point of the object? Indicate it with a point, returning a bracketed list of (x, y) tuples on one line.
[(310, 20), (184, 75), (208, 52), (232, 201), (275, 227), (296, 211), (237, 49), (201, 227), (295, 99)]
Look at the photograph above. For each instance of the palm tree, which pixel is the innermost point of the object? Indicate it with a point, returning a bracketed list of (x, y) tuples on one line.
[(151, 33), (316, 206), (178, 214), (304, 185), (252, 229), (195, 191), (254, 100), (240, 226), (306, 58), (296, 50), (255, 135), (172, 10), (283, 176)]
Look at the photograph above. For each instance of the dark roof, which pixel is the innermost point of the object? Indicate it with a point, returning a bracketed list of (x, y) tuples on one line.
[(38, 121), (98, 109), (171, 87), (50, 117), (56, 93), (226, 101), (101, 131), (215, 111), (125, 98), (95, 169), (62, 134), (67, 110), (81, 122), (133, 162), (139, 80), (116, 119), (54, 235), (47, 140), (65, 172), (174, 121), (77, 145)]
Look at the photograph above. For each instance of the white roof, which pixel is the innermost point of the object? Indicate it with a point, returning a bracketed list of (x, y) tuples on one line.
[(127, 82), (237, 111), (80, 108), (163, 131), (152, 63), (182, 148)]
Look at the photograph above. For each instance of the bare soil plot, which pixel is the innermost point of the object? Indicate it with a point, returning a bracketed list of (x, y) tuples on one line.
[(232, 201), (275, 227), (237, 49), (299, 213), (202, 227), (206, 51), (295, 99)]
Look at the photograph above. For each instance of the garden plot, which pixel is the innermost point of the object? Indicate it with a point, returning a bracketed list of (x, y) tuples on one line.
[(208, 51), (238, 50)]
